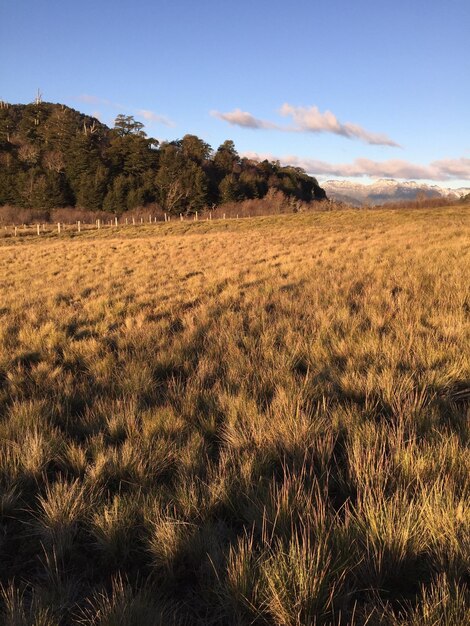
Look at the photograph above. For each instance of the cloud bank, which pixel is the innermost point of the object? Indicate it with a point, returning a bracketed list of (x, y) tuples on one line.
[(306, 119), (444, 169)]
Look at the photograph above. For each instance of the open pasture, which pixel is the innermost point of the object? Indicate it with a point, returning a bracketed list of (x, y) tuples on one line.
[(257, 421)]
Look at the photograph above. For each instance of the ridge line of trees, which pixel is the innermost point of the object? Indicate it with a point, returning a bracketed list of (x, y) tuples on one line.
[(53, 156)]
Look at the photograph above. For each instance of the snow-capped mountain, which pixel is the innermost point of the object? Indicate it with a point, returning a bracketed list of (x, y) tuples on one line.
[(386, 190)]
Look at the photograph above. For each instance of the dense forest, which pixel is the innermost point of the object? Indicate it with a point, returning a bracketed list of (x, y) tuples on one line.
[(53, 156)]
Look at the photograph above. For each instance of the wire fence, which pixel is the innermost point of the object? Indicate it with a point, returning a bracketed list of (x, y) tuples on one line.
[(58, 228)]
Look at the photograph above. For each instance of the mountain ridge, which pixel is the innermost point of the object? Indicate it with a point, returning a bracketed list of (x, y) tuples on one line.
[(387, 190)]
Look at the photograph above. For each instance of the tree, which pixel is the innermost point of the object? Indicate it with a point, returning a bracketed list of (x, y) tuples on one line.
[(116, 198), (226, 157), (230, 189), (127, 125), (252, 184), (136, 157), (195, 182), (82, 161), (92, 188), (195, 149), (181, 182)]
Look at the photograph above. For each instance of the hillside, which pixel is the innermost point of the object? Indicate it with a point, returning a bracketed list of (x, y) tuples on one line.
[(53, 156)]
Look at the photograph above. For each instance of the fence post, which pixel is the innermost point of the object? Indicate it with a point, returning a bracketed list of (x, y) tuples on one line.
[(58, 228), (133, 221), (141, 220), (210, 215), (79, 226), (16, 231), (181, 217), (115, 221), (98, 223), (38, 229), (126, 221), (224, 215), (196, 216)]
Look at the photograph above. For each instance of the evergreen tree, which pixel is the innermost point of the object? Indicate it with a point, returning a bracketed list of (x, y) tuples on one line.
[(226, 158), (116, 198), (195, 149), (92, 188), (230, 189), (127, 125)]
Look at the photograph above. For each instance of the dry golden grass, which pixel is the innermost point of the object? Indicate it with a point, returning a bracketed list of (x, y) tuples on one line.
[(258, 421)]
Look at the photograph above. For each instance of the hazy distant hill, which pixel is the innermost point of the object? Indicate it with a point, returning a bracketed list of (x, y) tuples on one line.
[(386, 190)]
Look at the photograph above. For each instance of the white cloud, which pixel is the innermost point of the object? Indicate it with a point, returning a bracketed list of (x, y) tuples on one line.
[(84, 97), (454, 168), (306, 119), (89, 99), (150, 116), (244, 119), (444, 169), (311, 119)]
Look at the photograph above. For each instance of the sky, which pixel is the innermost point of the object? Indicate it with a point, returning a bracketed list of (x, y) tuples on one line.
[(354, 89)]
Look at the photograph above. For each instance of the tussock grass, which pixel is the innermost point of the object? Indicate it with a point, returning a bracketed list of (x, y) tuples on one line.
[(21, 610), (443, 602), (123, 606), (258, 421), (60, 510)]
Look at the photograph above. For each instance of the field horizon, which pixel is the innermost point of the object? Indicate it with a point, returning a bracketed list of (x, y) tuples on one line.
[(233, 422)]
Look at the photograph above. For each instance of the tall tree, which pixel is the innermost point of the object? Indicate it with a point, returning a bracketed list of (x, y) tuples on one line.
[(226, 158), (195, 149), (127, 125), (230, 189)]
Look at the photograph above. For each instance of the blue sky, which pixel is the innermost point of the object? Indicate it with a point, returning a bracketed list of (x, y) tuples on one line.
[(354, 89)]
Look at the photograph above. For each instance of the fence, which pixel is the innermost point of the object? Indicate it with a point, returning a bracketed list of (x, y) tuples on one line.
[(113, 223)]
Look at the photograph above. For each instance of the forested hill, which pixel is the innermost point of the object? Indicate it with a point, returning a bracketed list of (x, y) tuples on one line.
[(53, 156)]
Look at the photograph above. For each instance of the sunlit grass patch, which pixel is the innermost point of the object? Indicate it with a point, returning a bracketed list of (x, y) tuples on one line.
[(262, 421)]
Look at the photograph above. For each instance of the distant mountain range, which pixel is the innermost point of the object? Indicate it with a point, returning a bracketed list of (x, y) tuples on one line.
[(386, 190)]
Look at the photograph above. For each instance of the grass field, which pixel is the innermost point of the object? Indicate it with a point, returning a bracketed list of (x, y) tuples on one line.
[(259, 421)]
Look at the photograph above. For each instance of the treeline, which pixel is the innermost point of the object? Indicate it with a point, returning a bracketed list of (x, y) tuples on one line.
[(423, 202), (465, 199), (53, 156)]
